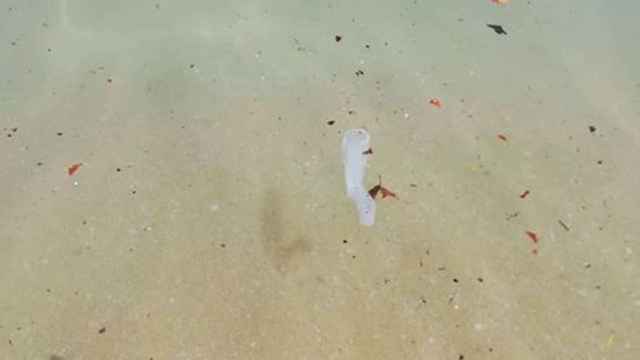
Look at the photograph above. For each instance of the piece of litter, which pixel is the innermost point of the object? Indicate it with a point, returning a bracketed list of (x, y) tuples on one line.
[(373, 192), (355, 144), (436, 103), (73, 168), (524, 194), (502, 137), (533, 236)]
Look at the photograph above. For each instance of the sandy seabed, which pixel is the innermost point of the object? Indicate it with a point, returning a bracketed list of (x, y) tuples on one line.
[(208, 217)]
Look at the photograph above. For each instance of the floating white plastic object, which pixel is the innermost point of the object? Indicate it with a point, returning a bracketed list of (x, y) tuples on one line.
[(355, 144)]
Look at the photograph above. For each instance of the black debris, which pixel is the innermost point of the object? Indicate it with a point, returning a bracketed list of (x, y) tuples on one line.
[(338, 38), (498, 29)]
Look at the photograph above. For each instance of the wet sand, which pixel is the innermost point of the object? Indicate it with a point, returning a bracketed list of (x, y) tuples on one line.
[(209, 216)]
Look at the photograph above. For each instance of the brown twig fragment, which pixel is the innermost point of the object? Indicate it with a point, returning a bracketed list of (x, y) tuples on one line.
[(564, 226)]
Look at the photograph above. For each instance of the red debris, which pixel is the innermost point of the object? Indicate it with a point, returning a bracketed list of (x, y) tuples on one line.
[(386, 192), (73, 168), (373, 192), (502, 137), (533, 236), (524, 194), (436, 103)]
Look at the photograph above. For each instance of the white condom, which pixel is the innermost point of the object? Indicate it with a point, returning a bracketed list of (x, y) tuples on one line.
[(355, 144)]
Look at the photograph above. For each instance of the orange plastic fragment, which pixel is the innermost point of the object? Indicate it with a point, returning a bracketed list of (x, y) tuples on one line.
[(436, 103), (73, 168), (533, 236)]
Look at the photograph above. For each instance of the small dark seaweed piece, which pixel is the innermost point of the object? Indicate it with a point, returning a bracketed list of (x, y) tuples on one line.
[(373, 192), (564, 226), (498, 29)]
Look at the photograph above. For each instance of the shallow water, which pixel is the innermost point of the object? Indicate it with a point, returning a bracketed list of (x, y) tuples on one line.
[(209, 218)]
